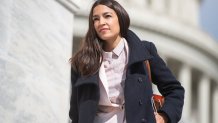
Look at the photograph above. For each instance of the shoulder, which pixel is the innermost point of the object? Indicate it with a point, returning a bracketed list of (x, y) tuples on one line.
[(150, 46), (139, 45)]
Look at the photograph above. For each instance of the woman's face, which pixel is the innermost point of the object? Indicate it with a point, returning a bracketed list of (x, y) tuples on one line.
[(106, 23)]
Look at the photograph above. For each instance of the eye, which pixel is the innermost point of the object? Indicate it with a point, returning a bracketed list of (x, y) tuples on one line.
[(95, 19), (108, 16)]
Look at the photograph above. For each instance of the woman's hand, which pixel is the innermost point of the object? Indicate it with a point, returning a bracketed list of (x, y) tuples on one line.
[(160, 118)]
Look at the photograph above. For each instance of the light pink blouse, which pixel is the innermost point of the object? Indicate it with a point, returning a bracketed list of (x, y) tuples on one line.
[(112, 76)]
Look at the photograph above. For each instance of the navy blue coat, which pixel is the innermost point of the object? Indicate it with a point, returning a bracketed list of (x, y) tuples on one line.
[(137, 91)]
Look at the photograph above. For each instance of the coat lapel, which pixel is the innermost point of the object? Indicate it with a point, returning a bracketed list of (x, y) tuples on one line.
[(104, 88), (103, 78)]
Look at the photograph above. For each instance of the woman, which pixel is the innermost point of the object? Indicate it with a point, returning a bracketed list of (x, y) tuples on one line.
[(110, 83)]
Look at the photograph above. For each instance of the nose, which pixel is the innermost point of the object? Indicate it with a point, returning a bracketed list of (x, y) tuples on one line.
[(102, 21)]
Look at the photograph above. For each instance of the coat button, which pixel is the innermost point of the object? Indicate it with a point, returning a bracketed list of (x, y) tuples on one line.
[(140, 80), (143, 120), (140, 102)]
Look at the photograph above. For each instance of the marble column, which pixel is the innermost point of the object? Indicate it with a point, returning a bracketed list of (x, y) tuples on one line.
[(215, 106), (204, 100), (185, 79), (174, 7), (137, 3), (5, 8), (191, 7), (159, 6), (35, 46)]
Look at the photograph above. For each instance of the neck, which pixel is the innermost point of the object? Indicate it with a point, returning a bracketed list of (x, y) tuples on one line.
[(109, 45)]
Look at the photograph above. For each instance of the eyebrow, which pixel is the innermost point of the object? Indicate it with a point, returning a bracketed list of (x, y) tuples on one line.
[(105, 13)]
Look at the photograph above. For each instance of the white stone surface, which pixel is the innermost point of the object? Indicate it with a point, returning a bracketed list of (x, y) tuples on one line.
[(204, 100), (35, 46), (215, 105), (185, 76)]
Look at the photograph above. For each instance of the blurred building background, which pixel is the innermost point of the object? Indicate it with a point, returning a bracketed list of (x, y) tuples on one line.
[(38, 37)]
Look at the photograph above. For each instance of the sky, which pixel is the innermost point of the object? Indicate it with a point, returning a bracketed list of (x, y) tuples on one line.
[(209, 17)]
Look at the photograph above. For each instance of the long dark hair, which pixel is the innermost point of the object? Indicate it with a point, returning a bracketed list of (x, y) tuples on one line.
[(87, 60)]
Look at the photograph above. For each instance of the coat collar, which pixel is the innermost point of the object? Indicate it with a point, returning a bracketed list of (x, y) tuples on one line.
[(137, 49)]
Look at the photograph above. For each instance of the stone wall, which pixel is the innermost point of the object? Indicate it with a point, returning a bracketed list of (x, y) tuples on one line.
[(35, 45)]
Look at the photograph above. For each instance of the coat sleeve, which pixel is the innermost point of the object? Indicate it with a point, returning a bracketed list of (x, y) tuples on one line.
[(168, 86), (73, 113)]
